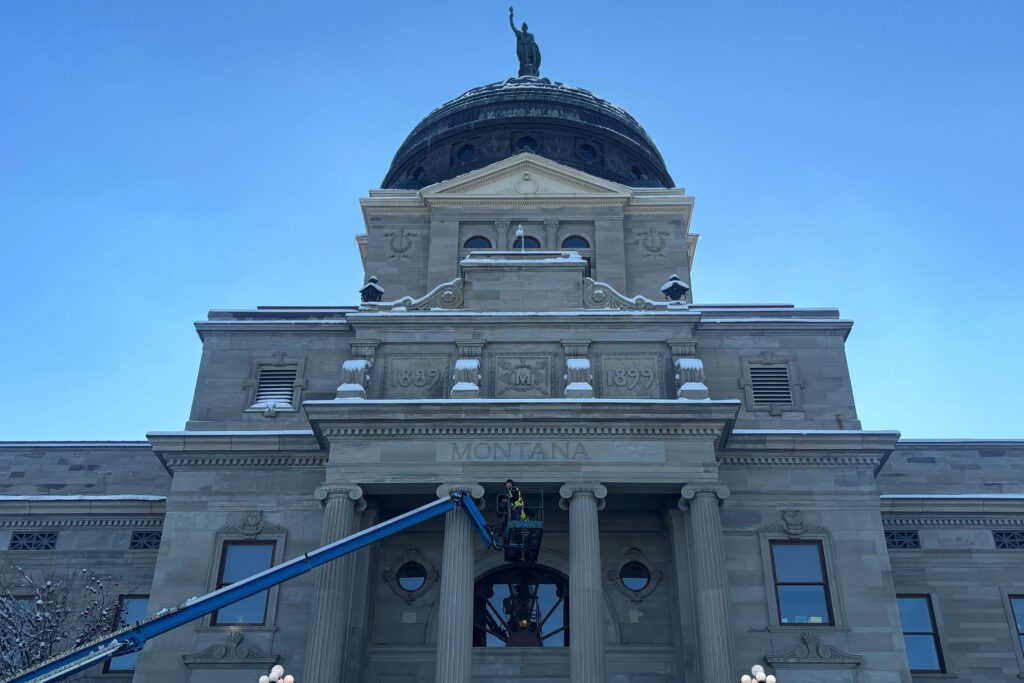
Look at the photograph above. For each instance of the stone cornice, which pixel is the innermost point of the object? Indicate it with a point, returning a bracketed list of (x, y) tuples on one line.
[(899, 521), (475, 319), (939, 508), (547, 417), (775, 460), (742, 441), (250, 449), (66, 508)]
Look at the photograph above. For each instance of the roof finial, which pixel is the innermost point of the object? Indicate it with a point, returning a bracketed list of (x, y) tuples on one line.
[(526, 49)]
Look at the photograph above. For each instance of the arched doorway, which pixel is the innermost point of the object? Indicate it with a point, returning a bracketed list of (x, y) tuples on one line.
[(521, 606)]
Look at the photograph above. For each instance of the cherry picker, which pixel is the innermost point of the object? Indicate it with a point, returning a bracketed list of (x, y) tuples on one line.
[(519, 542)]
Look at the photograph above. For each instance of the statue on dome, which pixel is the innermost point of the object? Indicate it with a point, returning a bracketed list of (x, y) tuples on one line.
[(526, 49)]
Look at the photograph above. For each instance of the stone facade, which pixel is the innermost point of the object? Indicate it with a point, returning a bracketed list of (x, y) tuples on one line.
[(687, 442)]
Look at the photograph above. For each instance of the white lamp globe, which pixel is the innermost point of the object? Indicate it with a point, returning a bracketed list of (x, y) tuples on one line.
[(770, 679), (264, 679), (274, 677), (288, 679), (277, 669), (760, 676), (746, 679), (757, 669)]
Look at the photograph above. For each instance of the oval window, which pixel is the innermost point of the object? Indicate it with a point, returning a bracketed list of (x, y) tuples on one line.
[(575, 242), (586, 153), (635, 576), (527, 144), (638, 173), (466, 153), (531, 243), (477, 242), (411, 576)]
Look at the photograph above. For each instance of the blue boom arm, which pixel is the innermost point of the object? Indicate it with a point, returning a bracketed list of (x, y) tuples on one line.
[(134, 637)]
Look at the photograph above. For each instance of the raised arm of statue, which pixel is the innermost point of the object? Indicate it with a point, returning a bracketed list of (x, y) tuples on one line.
[(512, 23)]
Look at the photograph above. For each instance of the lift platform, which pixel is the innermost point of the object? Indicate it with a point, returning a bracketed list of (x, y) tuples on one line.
[(521, 537), (132, 638)]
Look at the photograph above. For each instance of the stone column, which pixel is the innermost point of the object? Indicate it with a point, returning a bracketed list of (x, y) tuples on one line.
[(455, 611), (711, 585), (329, 615), (586, 589)]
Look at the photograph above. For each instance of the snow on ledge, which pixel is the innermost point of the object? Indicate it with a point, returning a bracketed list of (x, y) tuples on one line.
[(129, 496), (952, 496)]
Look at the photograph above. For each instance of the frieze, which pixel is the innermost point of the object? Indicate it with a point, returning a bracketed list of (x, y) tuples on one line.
[(522, 376), (87, 522), (256, 461), (526, 450), (935, 521), (631, 376), (415, 376), (504, 431), (772, 460)]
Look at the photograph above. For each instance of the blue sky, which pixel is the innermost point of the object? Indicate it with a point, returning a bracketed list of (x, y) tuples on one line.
[(159, 159)]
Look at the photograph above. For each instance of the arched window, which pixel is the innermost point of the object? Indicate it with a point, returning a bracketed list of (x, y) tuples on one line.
[(575, 242), (521, 606), (477, 242), (531, 243)]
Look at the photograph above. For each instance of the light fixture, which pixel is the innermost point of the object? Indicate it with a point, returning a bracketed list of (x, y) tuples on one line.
[(277, 675), (757, 674)]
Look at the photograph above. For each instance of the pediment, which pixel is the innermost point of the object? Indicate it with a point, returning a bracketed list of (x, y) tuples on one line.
[(526, 176)]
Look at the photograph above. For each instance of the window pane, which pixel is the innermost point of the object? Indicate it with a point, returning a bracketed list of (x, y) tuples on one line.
[(797, 563), (251, 610), (244, 560), (922, 654), (803, 605), (1018, 613), (914, 615), (132, 610)]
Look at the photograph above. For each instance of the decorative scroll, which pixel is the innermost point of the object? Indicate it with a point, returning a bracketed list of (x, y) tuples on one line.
[(233, 652), (811, 650), (446, 296)]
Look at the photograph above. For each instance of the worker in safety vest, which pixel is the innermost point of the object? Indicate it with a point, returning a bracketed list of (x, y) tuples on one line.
[(515, 499)]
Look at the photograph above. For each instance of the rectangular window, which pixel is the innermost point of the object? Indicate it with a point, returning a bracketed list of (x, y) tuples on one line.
[(902, 539), (1008, 539), (145, 540), (1017, 602), (239, 560), (130, 610), (33, 540), (801, 584), (919, 633), (769, 385)]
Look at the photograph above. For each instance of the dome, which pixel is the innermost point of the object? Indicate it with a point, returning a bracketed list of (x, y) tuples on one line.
[(528, 114)]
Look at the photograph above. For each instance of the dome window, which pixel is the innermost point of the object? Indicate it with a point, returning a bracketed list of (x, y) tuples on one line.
[(575, 242), (477, 242), (587, 153), (417, 173), (635, 576), (466, 153), (527, 144), (638, 173), (526, 242)]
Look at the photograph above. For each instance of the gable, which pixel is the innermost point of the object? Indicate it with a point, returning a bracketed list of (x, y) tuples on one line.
[(525, 176)]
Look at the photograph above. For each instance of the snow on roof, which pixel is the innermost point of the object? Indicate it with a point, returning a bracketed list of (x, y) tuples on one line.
[(952, 496)]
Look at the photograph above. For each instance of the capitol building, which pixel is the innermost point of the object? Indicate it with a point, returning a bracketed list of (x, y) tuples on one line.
[(709, 496)]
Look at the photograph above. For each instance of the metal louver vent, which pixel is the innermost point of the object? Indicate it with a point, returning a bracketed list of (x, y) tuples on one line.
[(276, 386), (770, 385)]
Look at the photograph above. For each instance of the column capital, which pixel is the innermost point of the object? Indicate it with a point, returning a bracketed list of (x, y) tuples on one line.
[(593, 488), (353, 492), (476, 491), (691, 491)]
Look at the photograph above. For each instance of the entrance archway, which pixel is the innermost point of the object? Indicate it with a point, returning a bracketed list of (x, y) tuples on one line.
[(521, 606)]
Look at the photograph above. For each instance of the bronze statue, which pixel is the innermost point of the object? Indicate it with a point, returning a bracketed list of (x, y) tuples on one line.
[(526, 49)]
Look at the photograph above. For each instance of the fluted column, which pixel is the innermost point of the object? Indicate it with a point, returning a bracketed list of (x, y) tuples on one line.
[(455, 611), (711, 584), (328, 623), (586, 589)]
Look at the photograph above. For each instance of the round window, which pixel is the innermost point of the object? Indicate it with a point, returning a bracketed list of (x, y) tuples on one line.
[(638, 173), (411, 576), (586, 153), (635, 576), (466, 153), (417, 173), (527, 144)]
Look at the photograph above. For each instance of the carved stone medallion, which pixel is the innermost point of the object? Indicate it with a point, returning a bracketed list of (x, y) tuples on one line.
[(631, 376), (652, 242), (522, 376), (415, 376), (400, 242)]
